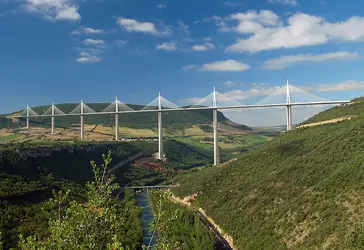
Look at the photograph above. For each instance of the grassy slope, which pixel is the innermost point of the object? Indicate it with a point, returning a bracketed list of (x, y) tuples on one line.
[(302, 190), (352, 109)]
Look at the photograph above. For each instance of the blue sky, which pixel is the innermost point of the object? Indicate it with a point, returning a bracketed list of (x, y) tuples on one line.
[(64, 50)]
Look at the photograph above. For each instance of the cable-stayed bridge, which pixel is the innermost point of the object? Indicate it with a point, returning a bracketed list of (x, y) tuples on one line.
[(286, 96)]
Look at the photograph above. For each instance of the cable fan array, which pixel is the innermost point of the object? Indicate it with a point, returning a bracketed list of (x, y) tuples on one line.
[(290, 94), (284, 95), (216, 99)]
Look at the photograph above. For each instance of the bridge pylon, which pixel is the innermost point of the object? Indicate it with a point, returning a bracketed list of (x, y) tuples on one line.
[(215, 128), (288, 108), (160, 129), (82, 123), (27, 119), (116, 119), (52, 119)]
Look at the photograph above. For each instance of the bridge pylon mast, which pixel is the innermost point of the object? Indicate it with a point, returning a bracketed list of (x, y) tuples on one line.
[(52, 119), (288, 108), (160, 129), (27, 119), (215, 128), (116, 119), (82, 121)]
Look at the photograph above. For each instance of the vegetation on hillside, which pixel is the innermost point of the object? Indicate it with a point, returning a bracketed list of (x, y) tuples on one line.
[(99, 222), (178, 227), (29, 172), (354, 108), (69, 161), (302, 190)]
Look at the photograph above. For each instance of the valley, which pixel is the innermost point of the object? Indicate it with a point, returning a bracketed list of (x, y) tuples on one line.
[(294, 190)]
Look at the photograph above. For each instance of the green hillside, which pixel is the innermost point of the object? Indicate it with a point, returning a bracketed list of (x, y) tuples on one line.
[(355, 107), (174, 120), (302, 190)]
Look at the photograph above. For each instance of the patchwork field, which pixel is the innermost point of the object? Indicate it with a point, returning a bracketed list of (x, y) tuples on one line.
[(231, 137)]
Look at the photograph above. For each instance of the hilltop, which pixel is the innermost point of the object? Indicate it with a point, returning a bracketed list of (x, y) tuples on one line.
[(338, 113), (302, 190)]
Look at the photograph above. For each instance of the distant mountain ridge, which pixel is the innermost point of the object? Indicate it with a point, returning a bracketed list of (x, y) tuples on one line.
[(171, 120)]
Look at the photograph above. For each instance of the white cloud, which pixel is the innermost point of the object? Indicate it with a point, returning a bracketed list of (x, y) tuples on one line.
[(264, 17), (96, 42), (69, 13), (230, 83), (87, 31), (240, 95), (340, 86), (223, 26), (234, 4), (161, 6), (227, 65), (89, 54), (188, 39), (190, 67), (220, 22), (170, 46), (286, 61), (254, 84), (120, 42), (191, 100), (286, 2), (131, 25), (268, 32), (88, 57), (53, 9), (204, 47), (183, 27)]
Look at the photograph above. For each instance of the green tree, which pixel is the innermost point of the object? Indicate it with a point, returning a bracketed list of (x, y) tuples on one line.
[(161, 223), (95, 224), (178, 227)]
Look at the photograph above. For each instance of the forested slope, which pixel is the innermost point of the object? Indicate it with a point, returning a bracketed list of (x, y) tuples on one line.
[(302, 190), (29, 173)]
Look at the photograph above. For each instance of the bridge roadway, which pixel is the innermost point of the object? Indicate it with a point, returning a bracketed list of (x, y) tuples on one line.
[(159, 109), (190, 109)]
